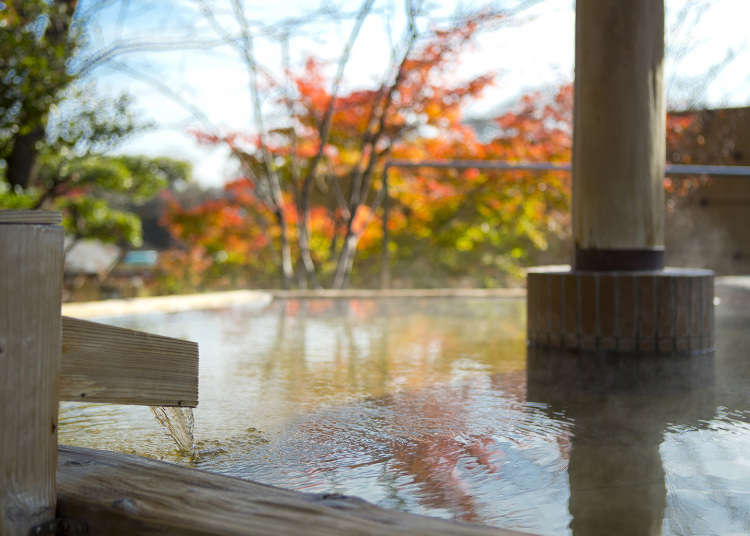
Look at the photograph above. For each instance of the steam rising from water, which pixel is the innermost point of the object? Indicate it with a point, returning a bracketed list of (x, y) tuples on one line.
[(430, 406)]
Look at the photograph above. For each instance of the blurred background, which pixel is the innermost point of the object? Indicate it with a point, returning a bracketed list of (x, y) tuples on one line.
[(195, 145)]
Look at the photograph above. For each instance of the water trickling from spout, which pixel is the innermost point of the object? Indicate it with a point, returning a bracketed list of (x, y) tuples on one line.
[(179, 424)]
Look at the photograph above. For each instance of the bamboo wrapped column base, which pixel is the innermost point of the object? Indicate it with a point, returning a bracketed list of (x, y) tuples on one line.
[(668, 311)]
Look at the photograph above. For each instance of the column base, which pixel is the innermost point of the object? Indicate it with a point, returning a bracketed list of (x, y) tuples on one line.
[(622, 260), (668, 311)]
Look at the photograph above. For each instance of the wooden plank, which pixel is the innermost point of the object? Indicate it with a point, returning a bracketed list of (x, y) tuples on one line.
[(123, 494), (102, 363), (42, 217), (31, 258)]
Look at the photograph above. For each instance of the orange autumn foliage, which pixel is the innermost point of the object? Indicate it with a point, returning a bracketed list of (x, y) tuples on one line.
[(446, 227)]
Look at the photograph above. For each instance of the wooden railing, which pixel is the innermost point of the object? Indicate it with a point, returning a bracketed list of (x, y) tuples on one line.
[(45, 358)]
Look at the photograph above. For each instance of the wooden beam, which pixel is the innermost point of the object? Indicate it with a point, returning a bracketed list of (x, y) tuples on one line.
[(42, 217), (124, 494), (31, 258), (102, 363), (619, 135)]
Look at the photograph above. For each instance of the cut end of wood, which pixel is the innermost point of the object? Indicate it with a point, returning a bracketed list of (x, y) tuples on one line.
[(37, 217), (102, 363)]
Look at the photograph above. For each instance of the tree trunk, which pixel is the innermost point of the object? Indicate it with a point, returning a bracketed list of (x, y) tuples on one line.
[(22, 158), (20, 162), (346, 260), (385, 262), (287, 269), (304, 246)]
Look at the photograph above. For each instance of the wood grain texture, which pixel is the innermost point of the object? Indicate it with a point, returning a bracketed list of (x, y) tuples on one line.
[(619, 148), (44, 217), (102, 363), (31, 258), (120, 494)]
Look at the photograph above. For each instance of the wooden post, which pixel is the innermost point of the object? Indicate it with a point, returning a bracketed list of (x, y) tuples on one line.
[(31, 261), (619, 135), (619, 298)]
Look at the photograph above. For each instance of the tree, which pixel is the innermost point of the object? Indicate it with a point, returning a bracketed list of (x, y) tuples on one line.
[(315, 173), (478, 226), (333, 146), (38, 40), (95, 191), (55, 133), (316, 114), (473, 227), (272, 192), (287, 158), (328, 161)]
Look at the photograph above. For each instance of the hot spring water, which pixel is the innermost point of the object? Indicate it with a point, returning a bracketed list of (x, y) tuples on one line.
[(433, 406)]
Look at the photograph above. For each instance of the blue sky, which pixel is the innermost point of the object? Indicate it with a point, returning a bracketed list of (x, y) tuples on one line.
[(534, 51)]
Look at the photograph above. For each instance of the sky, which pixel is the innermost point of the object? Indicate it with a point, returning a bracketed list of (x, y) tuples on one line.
[(204, 85)]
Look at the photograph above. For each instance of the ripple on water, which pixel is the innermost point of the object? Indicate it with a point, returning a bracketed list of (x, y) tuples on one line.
[(425, 406)]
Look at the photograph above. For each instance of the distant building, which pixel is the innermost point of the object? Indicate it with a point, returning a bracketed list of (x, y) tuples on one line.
[(90, 258), (94, 270)]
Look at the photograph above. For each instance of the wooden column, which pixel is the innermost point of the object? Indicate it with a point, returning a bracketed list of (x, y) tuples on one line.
[(619, 135), (31, 257), (618, 298)]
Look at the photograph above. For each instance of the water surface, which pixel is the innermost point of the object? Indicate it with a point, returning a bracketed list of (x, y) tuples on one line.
[(433, 406)]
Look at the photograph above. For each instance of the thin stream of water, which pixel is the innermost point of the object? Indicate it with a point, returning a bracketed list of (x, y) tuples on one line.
[(179, 423)]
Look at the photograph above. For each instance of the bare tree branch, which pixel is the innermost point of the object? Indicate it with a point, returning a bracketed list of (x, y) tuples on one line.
[(248, 56), (325, 124), (104, 55), (164, 89), (323, 134), (361, 176)]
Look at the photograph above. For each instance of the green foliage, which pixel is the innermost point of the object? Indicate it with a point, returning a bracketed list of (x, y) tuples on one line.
[(37, 42), (137, 178), (94, 193), (93, 189), (16, 200), (96, 219), (89, 190), (66, 131), (85, 123)]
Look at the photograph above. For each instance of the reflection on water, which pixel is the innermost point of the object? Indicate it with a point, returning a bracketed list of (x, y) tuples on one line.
[(621, 407), (428, 405)]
